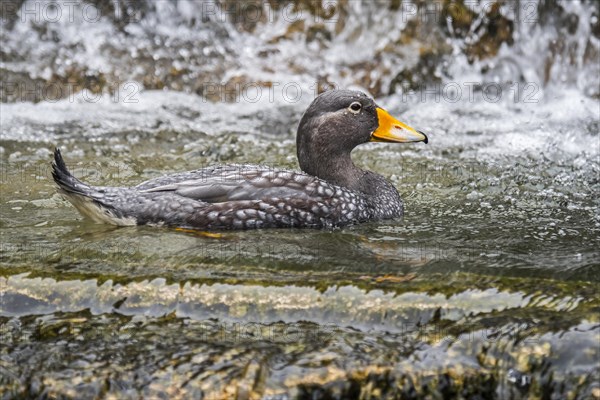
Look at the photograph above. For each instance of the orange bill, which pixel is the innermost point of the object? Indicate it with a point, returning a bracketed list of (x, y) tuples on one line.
[(392, 130)]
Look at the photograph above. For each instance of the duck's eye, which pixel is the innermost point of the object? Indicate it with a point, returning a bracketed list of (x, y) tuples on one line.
[(355, 107)]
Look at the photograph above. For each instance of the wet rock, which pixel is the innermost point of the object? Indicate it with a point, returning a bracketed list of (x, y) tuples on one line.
[(482, 36), (296, 28), (239, 88), (121, 13), (245, 15), (318, 32)]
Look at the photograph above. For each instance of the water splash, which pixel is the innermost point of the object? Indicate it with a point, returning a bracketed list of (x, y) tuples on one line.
[(211, 48)]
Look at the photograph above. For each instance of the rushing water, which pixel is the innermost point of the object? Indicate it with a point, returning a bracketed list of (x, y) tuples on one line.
[(488, 286)]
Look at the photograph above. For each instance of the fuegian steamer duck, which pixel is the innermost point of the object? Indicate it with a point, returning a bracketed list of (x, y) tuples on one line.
[(330, 191)]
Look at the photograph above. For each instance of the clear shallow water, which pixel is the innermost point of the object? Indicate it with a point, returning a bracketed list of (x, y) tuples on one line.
[(488, 285)]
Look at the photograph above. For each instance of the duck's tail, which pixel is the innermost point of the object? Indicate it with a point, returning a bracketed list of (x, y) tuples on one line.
[(90, 201), (66, 182)]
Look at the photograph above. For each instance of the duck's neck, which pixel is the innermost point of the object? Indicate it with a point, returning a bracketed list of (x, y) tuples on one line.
[(339, 170)]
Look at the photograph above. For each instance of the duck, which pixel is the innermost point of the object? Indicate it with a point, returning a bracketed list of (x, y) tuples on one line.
[(329, 191)]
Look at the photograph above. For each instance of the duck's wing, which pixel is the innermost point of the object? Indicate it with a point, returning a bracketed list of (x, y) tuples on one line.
[(239, 182)]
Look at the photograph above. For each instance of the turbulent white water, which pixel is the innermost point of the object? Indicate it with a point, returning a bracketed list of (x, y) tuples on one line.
[(344, 44), (512, 98), (565, 125)]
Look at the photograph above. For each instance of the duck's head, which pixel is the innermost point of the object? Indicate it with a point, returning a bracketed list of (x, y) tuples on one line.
[(339, 120)]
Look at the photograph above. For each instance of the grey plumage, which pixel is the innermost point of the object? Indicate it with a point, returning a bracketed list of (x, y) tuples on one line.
[(334, 192)]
